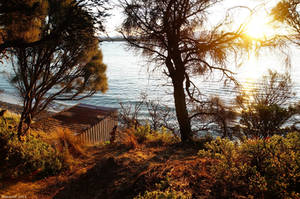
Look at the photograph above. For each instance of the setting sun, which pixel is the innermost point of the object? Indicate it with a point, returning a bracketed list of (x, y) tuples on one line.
[(259, 27)]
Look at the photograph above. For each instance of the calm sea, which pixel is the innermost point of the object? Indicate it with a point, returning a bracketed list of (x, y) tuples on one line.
[(129, 75)]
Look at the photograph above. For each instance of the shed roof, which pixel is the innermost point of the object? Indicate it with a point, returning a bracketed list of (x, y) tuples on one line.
[(77, 118)]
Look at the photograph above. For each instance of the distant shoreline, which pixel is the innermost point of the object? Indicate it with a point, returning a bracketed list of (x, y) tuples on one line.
[(112, 39), (11, 107), (15, 108), (116, 39)]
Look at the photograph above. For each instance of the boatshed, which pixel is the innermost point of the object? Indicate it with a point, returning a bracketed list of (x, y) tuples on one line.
[(92, 124)]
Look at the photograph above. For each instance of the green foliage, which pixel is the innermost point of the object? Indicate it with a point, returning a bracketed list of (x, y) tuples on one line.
[(261, 120), (168, 194), (266, 108), (255, 168), (9, 120), (55, 48), (31, 156), (165, 32), (286, 11), (164, 191), (147, 135), (141, 132), (95, 70), (21, 20)]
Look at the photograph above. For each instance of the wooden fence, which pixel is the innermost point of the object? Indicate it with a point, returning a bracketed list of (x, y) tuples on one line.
[(100, 132)]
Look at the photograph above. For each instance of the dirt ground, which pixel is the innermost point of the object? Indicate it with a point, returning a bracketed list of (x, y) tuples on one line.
[(116, 172)]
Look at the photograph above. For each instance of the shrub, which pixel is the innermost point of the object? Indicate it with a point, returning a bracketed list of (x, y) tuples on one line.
[(164, 191), (131, 137), (127, 139), (261, 120), (31, 155), (265, 109), (162, 137), (9, 120), (145, 134), (141, 132), (65, 142), (255, 168), (168, 194)]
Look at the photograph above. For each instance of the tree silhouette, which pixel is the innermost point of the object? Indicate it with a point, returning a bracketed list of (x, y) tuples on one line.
[(286, 11), (21, 22), (174, 35), (265, 109), (61, 62)]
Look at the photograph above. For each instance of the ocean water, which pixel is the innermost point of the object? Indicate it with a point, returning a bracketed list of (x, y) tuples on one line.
[(128, 78), (129, 75)]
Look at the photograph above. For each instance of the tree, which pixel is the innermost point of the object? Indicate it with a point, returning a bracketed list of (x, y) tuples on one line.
[(21, 20), (173, 34), (286, 11), (214, 113), (66, 67), (267, 108)]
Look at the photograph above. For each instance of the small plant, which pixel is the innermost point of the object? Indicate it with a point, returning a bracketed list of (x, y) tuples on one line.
[(160, 115), (162, 137), (128, 139), (261, 120), (131, 137), (255, 168), (8, 120), (142, 132), (64, 141), (167, 194), (32, 155), (266, 109), (145, 134)]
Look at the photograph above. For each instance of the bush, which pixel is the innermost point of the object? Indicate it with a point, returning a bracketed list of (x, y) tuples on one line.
[(144, 134), (255, 168), (131, 138), (127, 139), (141, 132), (265, 109), (168, 194), (65, 142), (9, 120), (30, 156), (261, 120)]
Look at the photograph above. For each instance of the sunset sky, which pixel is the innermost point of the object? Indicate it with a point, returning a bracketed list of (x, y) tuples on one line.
[(256, 24), (257, 27)]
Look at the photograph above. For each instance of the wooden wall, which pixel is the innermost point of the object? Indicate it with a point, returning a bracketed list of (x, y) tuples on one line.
[(100, 132)]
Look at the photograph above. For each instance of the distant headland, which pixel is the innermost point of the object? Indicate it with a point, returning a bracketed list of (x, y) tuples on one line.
[(114, 39)]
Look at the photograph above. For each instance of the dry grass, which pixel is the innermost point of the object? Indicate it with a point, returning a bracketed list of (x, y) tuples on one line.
[(112, 171), (50, 186), (120, 170), (65, 142), (127, 139)]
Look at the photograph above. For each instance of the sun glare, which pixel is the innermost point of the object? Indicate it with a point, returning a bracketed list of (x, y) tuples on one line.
[(258, 27)]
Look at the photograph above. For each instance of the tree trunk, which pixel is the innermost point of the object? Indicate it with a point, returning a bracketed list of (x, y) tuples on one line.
[(177, 75), (20, 126), (26, 119), (181, 111), (24, 126)]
